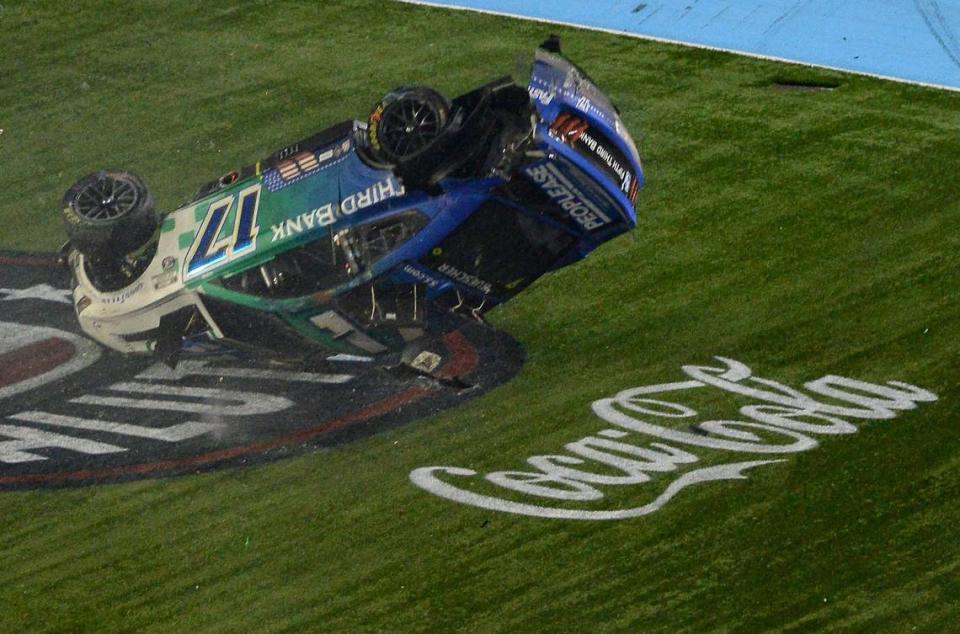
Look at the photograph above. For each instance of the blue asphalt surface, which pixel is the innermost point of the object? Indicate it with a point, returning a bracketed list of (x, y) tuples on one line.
[(908, 40)]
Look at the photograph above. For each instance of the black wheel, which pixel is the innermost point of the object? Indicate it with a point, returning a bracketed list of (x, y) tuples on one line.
[(405, 123), (109, 215)]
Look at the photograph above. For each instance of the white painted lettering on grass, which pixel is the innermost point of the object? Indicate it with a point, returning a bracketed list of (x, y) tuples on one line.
[(198, 367), (22, 439), (172, 433), (221, 402), (783, 422), (215, 405)]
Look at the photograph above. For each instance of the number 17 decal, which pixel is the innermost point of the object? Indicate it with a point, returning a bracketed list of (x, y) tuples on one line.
[(209, 250)]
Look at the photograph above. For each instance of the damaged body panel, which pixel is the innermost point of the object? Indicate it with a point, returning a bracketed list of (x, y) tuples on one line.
[(368, 235)]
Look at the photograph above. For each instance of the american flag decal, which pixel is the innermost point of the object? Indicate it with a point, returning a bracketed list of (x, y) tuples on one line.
[(568, 128), (298, 165), (301, 165), (634, 190)]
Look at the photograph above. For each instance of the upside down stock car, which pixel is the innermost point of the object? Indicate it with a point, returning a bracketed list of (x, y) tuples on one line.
[(365, 237)]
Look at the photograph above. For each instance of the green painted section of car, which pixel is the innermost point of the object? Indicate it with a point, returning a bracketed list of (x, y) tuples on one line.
[(325, 338), (185, 239), (297, 313), (296, 213)]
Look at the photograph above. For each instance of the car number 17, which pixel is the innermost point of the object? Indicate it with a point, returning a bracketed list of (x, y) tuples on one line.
[(208, 252)]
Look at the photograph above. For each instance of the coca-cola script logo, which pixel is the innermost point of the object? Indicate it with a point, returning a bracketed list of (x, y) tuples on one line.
[(794, 419)]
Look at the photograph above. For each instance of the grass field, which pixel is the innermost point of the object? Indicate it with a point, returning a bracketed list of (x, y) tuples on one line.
[(804, 233)]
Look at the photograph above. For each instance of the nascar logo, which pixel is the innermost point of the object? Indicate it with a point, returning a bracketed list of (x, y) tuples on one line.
[(31, 356)]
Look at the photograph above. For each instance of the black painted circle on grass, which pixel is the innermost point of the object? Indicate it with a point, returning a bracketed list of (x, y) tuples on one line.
[(74, 413)]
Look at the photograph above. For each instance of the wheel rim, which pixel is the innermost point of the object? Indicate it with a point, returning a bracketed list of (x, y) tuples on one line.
[(107, 198), (409, 126)]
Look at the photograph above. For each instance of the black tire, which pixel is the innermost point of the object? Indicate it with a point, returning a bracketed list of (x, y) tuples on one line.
[(109, 215), (406, 122)]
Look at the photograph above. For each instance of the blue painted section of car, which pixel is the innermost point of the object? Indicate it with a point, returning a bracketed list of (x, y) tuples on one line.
[(584, 176), (446, 213), (451, 210), (414, 273), (908, 40), (553, 90), (311, 194), (358, 178)]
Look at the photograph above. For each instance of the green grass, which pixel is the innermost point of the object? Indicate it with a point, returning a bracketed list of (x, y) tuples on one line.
[(802, 233)]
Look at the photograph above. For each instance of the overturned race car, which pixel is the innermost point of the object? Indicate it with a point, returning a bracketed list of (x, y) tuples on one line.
[(365, 238)]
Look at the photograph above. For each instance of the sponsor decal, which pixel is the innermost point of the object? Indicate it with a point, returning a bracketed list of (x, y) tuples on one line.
[(327, 214), (465, 278), (572, 88), (169, 276), (422, 276), (543, 95), (655, 444), (74, 413), (387, 188), (576, 133), (122, 296), (607, 158), (319, 217), (164, 280), (568, 196)]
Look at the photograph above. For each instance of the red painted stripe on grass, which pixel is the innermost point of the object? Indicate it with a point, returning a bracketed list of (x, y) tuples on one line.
[(464, 356), (26, 260), (34, 359)]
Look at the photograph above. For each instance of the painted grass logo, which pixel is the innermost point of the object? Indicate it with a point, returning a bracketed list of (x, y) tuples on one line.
[(784, 413), (73, 414), (32, 356)]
